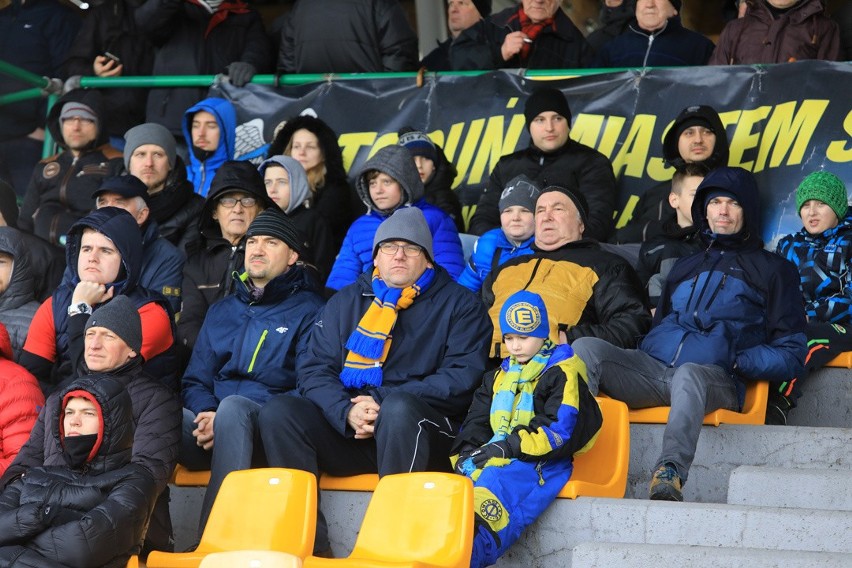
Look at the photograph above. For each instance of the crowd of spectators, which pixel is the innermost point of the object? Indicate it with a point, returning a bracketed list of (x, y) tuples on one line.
[(301, 322)]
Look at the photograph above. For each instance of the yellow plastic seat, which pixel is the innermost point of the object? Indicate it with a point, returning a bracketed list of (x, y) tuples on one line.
[(255, 509), (753, 412), (185, 478), (251, 559), (844, 361), (602, 471), (133, 562), (363, 482), (413, 520)]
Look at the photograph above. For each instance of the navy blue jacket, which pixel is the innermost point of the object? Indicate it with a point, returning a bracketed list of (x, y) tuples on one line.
[(438, 352), (673, 45), (734, 304), (249, 347)]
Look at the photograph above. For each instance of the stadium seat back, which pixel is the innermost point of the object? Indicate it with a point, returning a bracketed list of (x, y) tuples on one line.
[(251, 559)]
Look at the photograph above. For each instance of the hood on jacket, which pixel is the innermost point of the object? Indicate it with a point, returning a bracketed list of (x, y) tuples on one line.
[(90, 98), (226, 117), (327, 140), (117, 428), (742, 185), (21, 282), (120, 227), (300, 191), (232, 176), (708, 114), (396, 162)]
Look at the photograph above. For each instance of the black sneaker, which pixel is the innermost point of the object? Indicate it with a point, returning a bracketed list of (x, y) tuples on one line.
[(665, 485)]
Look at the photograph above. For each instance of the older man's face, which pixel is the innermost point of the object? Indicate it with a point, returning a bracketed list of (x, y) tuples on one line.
[(104, 350), (400, 268), (540, 10), (461, 14), (557, 221)]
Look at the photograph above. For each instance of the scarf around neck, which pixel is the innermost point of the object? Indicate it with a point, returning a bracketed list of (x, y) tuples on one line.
[(532, 30), (370, 342)]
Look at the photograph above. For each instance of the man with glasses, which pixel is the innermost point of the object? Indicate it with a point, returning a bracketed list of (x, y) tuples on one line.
[(372, 402), (237, 195)]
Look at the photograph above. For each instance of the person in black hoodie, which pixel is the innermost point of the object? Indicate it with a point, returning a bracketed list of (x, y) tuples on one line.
[(696, 136), (436, 172), (109, 45), (91, 507), (236, 196), (61, 187), (314, 144), (615, 16)]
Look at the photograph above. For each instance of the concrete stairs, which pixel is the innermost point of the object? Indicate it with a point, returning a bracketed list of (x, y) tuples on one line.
[(757, 496)]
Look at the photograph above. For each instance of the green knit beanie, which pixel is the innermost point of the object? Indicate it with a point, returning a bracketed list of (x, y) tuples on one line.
[(825, 187)]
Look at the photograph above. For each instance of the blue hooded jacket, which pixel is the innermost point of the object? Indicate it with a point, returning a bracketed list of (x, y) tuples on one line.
[(490, 251), (734, 304), (203, 165)]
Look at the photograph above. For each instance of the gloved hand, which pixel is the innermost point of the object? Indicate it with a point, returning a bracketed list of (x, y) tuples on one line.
[(241, 73), (463, 456), (500, 449)]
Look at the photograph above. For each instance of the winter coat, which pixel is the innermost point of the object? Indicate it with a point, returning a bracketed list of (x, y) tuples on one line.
[(566, 415), (56, 337), (334, 200), (588, 292), (490, 251), (17, 304), (438, 190), (249, 348), (189, 40), (369, 36), (61, 187), (203, 165), (21, 400), (560, 46), (162, 265), (803, 32), (35, 35), (176, 208), (356, 254), (439, 58), (658, 254), (672, 45), (438, 351), (156, 418), (95, 515), (823, 262), (211, 261), (110, 27), (574, 165), (734, 304), (614, 22)]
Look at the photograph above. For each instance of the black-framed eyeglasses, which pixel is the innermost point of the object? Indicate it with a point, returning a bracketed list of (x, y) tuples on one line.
[(231, 202), (409, 250)]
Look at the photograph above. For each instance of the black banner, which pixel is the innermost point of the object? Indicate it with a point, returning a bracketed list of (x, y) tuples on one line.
[(783, 122)]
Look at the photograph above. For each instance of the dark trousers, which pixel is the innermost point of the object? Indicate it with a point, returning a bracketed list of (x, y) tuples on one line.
[(409, 436)]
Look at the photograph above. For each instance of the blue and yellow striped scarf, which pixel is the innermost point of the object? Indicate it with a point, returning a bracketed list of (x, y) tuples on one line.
[(370, 342)]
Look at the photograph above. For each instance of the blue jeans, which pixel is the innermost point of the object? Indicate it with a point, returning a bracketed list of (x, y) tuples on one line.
[(641, 381), (236, 446)]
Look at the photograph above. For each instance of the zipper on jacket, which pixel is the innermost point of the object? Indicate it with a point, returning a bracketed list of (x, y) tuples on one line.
[(678, 350), (63, 187), (716, 292), (257, 350), (648, 51)]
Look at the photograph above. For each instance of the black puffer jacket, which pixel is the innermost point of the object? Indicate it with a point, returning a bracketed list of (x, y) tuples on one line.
[(189, 40), (60, 189), (439, 189), (17, 303), (574, 165), (213, 259), (110, 27), (335, 200), (57, 515), (347, 36)]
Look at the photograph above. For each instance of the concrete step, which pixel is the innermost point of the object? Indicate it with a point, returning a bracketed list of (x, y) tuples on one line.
[(791, 487), (826, 400), (721, 449), (597, 554)]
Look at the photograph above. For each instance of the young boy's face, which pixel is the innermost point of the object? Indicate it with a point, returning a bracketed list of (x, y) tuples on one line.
[(681, 198), (80, 418), (522, 347), (817, 217), (518, 223), (385, 192), (425, 167)]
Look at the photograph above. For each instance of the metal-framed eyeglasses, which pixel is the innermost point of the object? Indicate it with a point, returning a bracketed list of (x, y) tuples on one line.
[(390, 249), (231, 202)]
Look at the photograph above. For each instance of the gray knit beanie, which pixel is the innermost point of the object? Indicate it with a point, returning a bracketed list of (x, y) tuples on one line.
[(520, 190), (121, 317), (149, 133), (406, 224)]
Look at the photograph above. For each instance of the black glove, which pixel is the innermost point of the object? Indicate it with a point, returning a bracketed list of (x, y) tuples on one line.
[(500, 449), (463, 455), (241, 73)]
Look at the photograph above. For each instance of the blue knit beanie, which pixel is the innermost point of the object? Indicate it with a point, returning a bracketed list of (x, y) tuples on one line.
[(524, 313)]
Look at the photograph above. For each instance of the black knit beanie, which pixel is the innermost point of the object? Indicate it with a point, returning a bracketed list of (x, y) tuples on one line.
[(546, 99)]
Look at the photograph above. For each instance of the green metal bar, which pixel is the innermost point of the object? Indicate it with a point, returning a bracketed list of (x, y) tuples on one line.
[(34, 93), (23, 75)]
